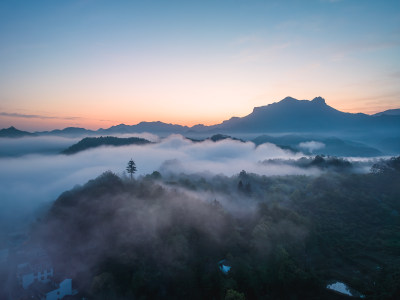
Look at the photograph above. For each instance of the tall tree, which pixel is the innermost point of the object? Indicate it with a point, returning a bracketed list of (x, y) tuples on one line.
[(131, 168)]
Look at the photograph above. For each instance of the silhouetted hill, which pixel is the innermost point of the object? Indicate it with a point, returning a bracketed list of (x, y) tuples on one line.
[(292, 115), (331, 163), (215, 138), (220, 137), (321, 145), (375, 134), (287, 115), (69, 131), (164, 239), (93, 142), (13, 132), (389, 112), (153, 127)]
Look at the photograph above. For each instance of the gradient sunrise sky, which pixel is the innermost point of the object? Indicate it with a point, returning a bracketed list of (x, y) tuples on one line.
[(100, 63)]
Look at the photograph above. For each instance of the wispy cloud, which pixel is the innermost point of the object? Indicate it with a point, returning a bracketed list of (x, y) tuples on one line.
[(7, 49), (363, 46), (261, 53), (395, 75), (247, 39), (375, 103), (332, 1), (28, 116)]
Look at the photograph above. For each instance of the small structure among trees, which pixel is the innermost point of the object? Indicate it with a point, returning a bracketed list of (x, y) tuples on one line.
[(131, 168)]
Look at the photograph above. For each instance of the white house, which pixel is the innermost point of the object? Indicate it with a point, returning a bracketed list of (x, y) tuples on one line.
[(224, 266), (28, 273), (52, 290), (64, 288)]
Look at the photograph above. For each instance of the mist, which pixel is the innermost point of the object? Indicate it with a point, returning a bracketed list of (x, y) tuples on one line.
[(211, 201), (311, 146), (163, 237), (32, 181), (14, 147), (156, 233)]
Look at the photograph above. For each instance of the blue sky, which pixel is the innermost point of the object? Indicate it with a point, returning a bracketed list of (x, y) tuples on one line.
[(100, 63)]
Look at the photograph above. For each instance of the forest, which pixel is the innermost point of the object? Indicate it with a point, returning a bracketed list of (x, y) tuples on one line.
[(165, 236), (93, 142)]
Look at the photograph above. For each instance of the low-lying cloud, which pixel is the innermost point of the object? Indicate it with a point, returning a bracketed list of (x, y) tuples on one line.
[(311, 146), (31, 180), (31, 145), (51, 144)]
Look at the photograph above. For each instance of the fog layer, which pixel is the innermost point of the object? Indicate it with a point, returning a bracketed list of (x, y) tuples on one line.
[(29, 181)]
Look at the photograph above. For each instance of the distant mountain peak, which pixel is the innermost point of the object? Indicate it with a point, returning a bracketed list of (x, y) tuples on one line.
[(318, 100), (14, 132), (293, 115), (291, 103), (389, 112), (288, 99)]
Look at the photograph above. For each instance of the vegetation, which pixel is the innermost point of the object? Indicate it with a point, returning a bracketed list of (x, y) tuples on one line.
[(131, 168), (331, 163), (284, 237), (93, 142)]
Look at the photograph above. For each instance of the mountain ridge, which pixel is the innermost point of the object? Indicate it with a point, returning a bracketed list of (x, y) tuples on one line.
[(12, 132), (286, 115), (292, 115), (389, 112)]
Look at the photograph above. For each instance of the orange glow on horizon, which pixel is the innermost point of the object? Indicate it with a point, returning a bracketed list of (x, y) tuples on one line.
[(94, 119)]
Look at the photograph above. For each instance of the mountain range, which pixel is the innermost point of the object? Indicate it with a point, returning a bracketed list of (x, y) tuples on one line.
[(286, 123), (286, 116), (15, 133), (292, 115)]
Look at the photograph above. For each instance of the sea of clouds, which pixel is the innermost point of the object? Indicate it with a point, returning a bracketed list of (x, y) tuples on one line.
[(31, 180)]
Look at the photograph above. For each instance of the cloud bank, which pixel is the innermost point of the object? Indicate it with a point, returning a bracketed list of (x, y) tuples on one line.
[(38, 145), (27, 116), (29, 181), (311, 146)]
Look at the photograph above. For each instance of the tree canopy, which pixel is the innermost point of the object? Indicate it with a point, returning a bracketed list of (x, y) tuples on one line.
[(131, 168)]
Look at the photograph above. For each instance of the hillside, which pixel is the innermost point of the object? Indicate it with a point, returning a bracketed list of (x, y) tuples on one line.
[(13, 132), (287, 115), (68, 132), (283, 237), (319, 145), (351, 134), (389, 112), (93, 142), (292, 115), (153, 127)]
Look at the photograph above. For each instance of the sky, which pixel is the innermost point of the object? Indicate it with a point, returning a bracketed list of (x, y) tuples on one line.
[(94, 63)]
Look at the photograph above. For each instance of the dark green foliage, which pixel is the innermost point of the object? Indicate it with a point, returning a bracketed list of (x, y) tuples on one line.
[(240, 186), (148, 239), (156, 175), (131, 168), (333, 145), (322, 162), (93, 142), (234, 295), (387, 166), (220, 137)]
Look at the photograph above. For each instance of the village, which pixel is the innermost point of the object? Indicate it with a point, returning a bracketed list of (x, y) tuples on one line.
[(27, 272)]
